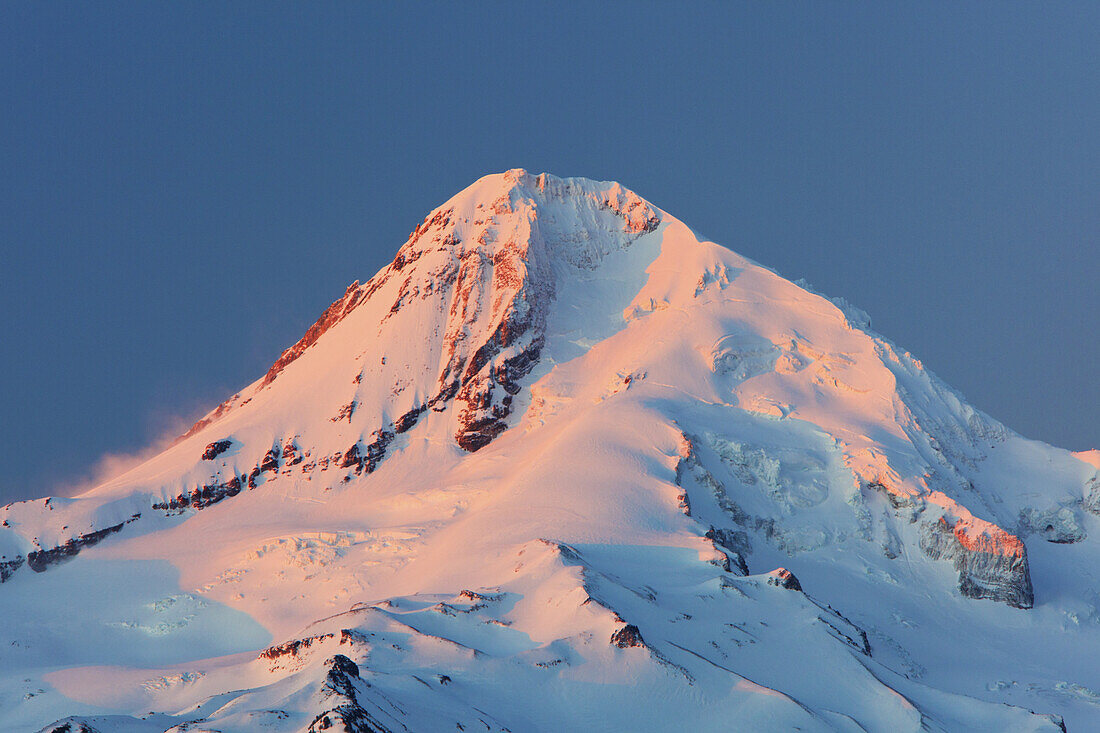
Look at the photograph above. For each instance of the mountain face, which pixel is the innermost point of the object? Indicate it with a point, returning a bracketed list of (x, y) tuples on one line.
[(563, 464)]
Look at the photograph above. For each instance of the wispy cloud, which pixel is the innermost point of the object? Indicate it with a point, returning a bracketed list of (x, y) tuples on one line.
[(163, 427)]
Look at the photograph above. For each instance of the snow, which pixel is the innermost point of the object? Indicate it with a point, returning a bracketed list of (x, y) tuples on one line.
[(686, 408)]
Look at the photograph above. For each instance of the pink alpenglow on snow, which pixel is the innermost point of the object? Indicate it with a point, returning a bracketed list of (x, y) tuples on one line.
[(564, 464)]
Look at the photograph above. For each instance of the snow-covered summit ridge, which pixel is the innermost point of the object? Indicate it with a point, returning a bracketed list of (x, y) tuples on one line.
[(494, 251), (562, 439)]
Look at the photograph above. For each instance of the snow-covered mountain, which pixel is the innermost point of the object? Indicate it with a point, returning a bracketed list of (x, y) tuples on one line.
[(564, 464)]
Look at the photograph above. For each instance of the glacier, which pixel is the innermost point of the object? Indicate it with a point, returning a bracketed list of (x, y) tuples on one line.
[(564, 463)]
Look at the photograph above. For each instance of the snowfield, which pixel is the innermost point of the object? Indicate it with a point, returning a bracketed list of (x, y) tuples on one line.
[(565, 465)]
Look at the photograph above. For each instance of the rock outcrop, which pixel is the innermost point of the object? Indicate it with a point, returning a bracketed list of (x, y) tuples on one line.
[(991, 562), (626, 637), (783, 578), (40, 560), (366, 457), (202, 496), (734, 543), (341, 692), (8, 567), (215, 449)]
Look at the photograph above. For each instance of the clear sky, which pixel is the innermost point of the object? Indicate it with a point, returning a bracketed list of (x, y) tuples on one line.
[(185, 187)]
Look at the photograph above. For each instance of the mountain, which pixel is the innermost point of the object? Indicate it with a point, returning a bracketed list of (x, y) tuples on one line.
[(564, 464)]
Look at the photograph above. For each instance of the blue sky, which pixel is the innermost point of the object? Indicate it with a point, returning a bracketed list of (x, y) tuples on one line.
[(184, 187)]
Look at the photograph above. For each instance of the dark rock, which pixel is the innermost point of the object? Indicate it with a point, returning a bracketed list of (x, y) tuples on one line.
[(293, 648), (346, 412), (475, 434), (627, 636), (203, 496), (346, 719), (269, 464), (351, 457), (216, 448), (783, 578), (722, 560), (292, 455), (366, 458), (340, 669), (473, 595), (736, 544), (897, 499), (271, 460), (483, 388), (408, 420), (352, 637), (8, 567), (347, 715), (39, 560), (483, 418), (738, 562)]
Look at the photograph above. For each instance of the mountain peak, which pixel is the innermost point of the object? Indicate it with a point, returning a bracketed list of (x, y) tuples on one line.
[(495, 199), (561, 438), (483, 269)]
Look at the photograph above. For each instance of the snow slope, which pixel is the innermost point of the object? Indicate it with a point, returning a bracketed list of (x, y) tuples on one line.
[(564, 464)]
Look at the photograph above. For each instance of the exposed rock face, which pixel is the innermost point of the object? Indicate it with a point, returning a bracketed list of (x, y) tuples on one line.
[(346, 715), (844, 629), (735, 544), (783, 578), (478, 278), (366, 457), (271, 460), (483, 416), (408, 420), (207, 494), (292, 648), (499, 288), (991, 562), (507, 288), (8, 567), (346, 412), (490, 271), (292, 455), (627, 637), (215, 449), (39, 560), (202, 496)]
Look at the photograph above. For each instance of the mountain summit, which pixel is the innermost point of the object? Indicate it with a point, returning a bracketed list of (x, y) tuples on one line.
[(565, 465)]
